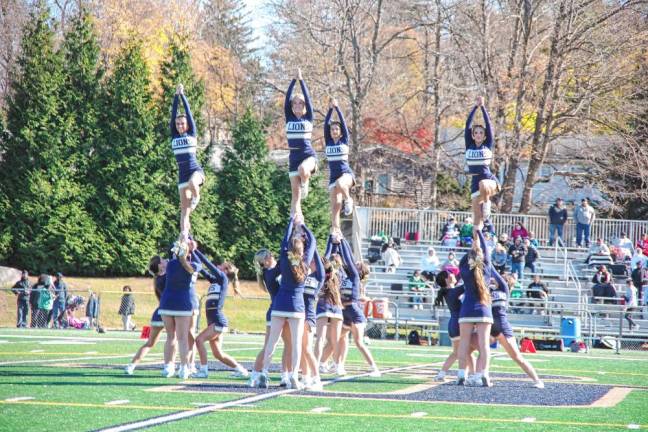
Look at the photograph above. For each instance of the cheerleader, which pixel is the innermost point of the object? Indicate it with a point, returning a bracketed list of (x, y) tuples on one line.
[(190, 174), (299, 128), (451, 295), (157, 268), (179, 304), (219, 278), (475, 314), (296, 254), (502, 330), (354, 320), (479, 154), (312, 287), (336, 137), (269, 277), (329, 316)]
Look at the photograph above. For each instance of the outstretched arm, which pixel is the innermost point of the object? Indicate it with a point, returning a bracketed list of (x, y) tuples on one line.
[(349, 261), (487, 124), (287, 108), (311, 245), (501, 283), (329, 247), (190, 119), (468, 132), (213, 270), (285, 243), (307, 101), (174, 113), (484, 247), (345, 130), (327, 127), (320, 272)]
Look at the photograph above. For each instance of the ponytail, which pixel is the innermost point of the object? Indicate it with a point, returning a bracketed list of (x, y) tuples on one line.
[(231, 271), (476, 264), (259, 259), (331, 289), (296, 257)]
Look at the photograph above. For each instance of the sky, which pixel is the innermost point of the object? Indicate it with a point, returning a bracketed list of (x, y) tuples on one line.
[(259, 19)]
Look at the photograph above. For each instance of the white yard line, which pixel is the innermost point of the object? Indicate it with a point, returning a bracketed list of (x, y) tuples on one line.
[(19, 362)]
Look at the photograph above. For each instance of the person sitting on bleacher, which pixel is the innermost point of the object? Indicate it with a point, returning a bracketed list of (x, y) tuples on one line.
[(417, 286), (391, 258), (638, 257), (451, 264), (499, 258), (602, 276), (624, 244), (488, 228), (534, 241), (643, 244), (531, 256), (599, 254), (490, 241), (519, 231), (504, 240), (429, 264), (515, 293), (466, 232), (538, 290)]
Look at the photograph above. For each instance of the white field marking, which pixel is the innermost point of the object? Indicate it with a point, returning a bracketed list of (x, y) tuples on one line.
[(90, 352), (96, 339), (37, 351), (67, 342), (419, 414), (18, 399), (75, 359), (634, 426), (4, 341), (530, 360), (427, 355), (118, 402), (601, 372), (528, 420), (321, 409), (219, 406)]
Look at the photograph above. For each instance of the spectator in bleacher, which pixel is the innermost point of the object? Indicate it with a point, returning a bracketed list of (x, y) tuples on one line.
[(625, 246), (643, 244), (531, 256), (533, 241), (60, 299), (584, 215), (488, 228), (450, 234), (417, 286), (637, 275), (638, 257), (631, 304), (644, 298), (519, 231), (602, 276), (466, 232), (557, 220), (599, 253), (516, 293), (538, 290), (504, 240), (391, 257), (499, 258), (451, 264), (490, 242), (430, 264), (517, 252), (22, 289)]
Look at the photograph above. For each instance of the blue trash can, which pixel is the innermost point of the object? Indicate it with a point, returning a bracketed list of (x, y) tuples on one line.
[(570, 330), (444, 339)]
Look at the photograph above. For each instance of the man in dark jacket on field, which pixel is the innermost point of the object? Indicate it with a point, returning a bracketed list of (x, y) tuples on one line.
[(557, 219), (34, 296), (22, 289), (60, 290)]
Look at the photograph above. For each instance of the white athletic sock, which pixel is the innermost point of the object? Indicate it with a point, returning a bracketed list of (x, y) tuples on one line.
[(204, 367), (441, 374), (240, 368)]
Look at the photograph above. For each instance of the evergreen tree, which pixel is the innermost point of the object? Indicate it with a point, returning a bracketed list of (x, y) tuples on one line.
[(48, 225), (176, 69), (130, 177), (249, 217)]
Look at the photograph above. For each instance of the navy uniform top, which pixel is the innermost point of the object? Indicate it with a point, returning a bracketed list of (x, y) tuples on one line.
[(298, 129), (350, 283), (184, 145), (337, 152), (471, 307), (159, 283), (479, 158), (217, 291), (271, 280), (453, 300), (499, 294), (290, 296), (315, 280), (180, 288)]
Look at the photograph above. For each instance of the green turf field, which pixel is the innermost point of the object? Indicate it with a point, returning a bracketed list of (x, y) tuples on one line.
[(74, 380)]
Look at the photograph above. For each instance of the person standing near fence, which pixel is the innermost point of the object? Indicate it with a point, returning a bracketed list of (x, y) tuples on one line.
[(127, 308), (60, 299), (45, 300), (22, 289), (557, 220), (631, 304), (584, 216)]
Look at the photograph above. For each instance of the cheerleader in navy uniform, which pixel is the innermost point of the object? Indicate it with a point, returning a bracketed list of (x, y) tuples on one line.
[(157, 268), (219, 278), (475, 314), (312, 287), (354, 320), (502, 330), (269, 277), (451, 295), (336, 137), (479, 154), (296, 254), (190, 174), (329, 316), (179, 303), (302, 159)]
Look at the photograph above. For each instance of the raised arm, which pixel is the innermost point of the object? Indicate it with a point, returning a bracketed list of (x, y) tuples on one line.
[(190, 120), (501, 283), (331, 248), (484, 247), (285, 243), (287, 108), (487, 125), (468, 132), (327, 127), (307, 101), (347, 258), (311, 245), (320, 272), (213, 270), (174, 113), (345, 130)]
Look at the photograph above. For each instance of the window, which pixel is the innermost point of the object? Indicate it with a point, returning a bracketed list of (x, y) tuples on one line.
[(383, 184)]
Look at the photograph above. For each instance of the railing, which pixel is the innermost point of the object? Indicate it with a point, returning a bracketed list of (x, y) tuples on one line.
[(396, 222)]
